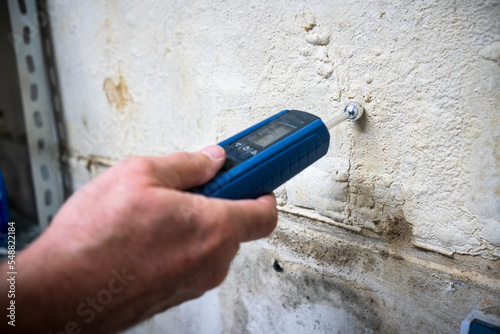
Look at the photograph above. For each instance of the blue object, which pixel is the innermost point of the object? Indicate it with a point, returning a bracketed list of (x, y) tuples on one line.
[(4, 206), (266, 155), (482, 327), (482, 321)]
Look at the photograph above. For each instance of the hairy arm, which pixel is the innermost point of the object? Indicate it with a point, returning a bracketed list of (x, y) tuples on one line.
[(131, 244)]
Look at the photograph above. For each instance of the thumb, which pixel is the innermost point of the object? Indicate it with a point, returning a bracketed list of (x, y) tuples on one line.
[(184, 170)]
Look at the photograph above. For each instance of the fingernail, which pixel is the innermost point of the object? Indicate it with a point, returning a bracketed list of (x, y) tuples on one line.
[(214, 152)]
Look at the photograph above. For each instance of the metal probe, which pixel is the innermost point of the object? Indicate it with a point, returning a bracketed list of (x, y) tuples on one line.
[(353, 111)]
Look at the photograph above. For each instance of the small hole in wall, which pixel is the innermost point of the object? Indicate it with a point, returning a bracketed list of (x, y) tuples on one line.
[(277, 267)]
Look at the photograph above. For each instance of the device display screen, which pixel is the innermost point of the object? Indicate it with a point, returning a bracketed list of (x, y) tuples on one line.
[(269, 134)]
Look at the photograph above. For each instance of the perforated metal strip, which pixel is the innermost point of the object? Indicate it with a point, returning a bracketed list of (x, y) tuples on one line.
[(38, 108)]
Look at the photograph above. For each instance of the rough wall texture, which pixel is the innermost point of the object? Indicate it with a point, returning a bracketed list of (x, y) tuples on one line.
[(419, 172)]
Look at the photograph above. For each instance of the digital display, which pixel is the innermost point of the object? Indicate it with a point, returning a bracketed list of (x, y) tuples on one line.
[(270, 133)]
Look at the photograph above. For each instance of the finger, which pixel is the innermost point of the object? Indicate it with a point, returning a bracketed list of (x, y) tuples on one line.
[(245, 220), (184, 170), (254, 219)]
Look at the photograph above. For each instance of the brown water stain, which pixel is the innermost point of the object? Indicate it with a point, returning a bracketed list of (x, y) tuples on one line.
[(398, 233), (117, 94)]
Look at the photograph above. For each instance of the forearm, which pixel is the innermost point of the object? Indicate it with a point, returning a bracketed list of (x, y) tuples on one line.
[(60, 288), (65, 285)]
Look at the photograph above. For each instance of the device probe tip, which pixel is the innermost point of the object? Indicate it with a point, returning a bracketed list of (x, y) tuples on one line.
[(353, 111)]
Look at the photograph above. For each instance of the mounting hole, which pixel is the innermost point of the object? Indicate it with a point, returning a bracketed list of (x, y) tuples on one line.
[(41, 144), (22, 6), (26, 35), (47, 197), (38, 119), (30, 63), (34, 92), (45, 172)]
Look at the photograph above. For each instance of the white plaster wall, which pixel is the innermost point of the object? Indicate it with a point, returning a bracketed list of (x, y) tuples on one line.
[(153, 77), (159, 76)]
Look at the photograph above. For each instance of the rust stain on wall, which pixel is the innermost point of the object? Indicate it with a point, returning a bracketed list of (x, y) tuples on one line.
[(117, 94)]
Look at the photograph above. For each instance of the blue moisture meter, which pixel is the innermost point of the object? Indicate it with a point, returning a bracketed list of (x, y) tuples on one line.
[(266, 155)]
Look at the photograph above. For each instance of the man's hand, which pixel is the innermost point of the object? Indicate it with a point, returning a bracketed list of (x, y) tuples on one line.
[(131, 244)]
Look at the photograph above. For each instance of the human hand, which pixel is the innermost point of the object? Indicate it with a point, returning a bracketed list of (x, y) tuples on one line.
[(131, 244)]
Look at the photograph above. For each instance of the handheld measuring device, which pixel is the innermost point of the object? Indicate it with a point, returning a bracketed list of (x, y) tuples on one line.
[(266, 155)]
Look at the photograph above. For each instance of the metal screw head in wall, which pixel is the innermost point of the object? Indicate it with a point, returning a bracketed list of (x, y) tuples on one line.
[(354, 109)]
